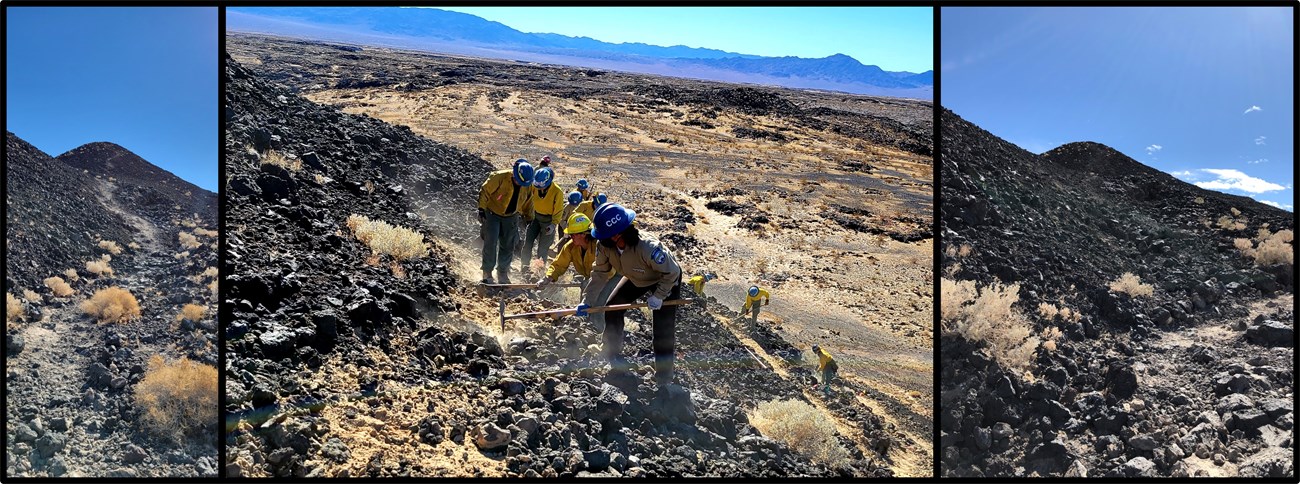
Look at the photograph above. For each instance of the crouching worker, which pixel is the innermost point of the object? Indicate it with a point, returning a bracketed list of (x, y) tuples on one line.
[(697, 283), (647, 269), (754, 299), (579, 251), (827, 366)]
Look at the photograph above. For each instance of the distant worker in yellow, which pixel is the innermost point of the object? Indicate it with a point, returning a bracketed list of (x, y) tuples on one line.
[(504, 196), (570, 207), (548, 206), (752, 299), (827, 366), (584, 188), (697, 283), (579, 251), (589, 206)]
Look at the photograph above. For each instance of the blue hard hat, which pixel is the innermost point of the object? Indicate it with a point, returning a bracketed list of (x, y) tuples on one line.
[(600, 199), (543, 177), (583, 185), (524, 173), (709, 276), (610, 220), (575, 198), (753, 291)]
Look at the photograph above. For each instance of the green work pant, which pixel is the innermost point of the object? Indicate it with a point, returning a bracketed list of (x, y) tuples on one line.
[(499, 237)]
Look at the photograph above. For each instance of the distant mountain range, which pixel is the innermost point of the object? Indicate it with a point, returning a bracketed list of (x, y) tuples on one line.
[(464, 34)]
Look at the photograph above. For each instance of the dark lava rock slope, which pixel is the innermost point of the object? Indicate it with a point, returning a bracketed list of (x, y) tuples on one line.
[(151, 188), (1195, 380)]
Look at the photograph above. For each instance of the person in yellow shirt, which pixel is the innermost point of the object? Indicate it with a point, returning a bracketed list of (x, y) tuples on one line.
[(585, 189), (697, 283), (542, 219), (579, 251), (827, 366), (752, 299), (502, 198), (589, 207), (571, 207)]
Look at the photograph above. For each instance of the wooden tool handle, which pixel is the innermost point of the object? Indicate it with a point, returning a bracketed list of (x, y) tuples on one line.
[(534, 286), (597, 309)]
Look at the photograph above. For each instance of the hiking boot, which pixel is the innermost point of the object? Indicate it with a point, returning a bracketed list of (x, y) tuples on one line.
[(503, 277), (487, 277)]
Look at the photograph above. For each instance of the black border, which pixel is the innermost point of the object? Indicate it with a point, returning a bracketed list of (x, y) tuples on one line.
[(937, 6)]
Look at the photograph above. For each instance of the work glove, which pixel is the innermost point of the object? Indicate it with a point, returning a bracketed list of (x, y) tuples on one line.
[(543, 281), (482, 215), (582, 310), (548, 229), (654, 303)]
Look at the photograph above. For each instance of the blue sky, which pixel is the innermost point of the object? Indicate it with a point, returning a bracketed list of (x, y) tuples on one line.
[(894, 38), (1203, 93), (144, 78)]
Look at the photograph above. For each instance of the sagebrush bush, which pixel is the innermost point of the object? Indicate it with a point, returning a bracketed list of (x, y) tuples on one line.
[(188, 240), (32, 296), (801, 427), (177, 398), (1129, 283), (99, 267), (13, 308), (399, 242), (112, 305), (192, 312), (205, 232), (985, 315), (276, 158), (1276, 249), (110, 246), (71, 274), (58, 286)]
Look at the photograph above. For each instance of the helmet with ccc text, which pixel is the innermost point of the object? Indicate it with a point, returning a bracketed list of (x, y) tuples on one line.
[(583, 185), (575, 198), (543, 178), (524, 173), (753, 291), (612, 219), (578, 223)]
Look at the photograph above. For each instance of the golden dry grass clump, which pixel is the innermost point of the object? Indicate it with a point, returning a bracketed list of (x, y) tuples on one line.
[(177, 397), (986, 316), (205, 232), (804, 429), (32, 296), (188, 240), (100, 267), (58, 286), (278, 159), (71, 274), (1129, 283), (110, 246), (13, 308), (1273, 248), (399, 242), (112, 304), (192, 312)]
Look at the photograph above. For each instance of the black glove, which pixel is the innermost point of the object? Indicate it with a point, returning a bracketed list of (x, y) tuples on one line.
[(482, 215)]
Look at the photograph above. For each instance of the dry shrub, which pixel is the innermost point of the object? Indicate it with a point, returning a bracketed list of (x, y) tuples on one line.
[(1129, 283), (1050, 336), (32, 297), (1047, 311), (291, 163), (58, 286), (134, 245), (99, 267), (188, 240), (112, 304), (1276, 249), (801, 427), (13, 308), (1245, 246), (177, 398), (209, 272), (1199, 200), (71, 274), (1228, 223), (181, 255), (205, 232), (192, 312), (382, 238), (986, 315), (110, 246), (212, 286)]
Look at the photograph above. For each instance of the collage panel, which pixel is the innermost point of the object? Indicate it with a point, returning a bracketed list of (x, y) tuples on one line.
[(1117, 272), (111, 242), (456, 248)]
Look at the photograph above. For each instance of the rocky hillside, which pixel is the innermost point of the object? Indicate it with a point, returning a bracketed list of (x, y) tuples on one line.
[(340, 365), (1193, 379), (80, 392), (151, 189)]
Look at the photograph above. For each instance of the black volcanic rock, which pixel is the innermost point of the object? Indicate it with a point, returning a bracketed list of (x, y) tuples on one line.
[(111, 160), (53, 213)]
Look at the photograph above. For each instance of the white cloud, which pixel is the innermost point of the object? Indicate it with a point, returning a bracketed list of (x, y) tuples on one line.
[(1274, 204), (1256, 162), (1251, 109), (1151, 150), (1182, 174), (1260, 140), (1236, 180)]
